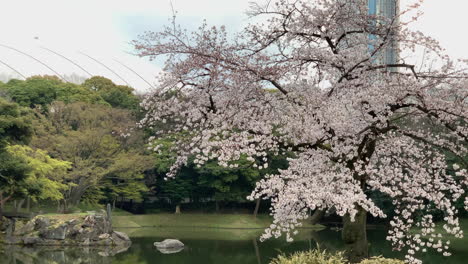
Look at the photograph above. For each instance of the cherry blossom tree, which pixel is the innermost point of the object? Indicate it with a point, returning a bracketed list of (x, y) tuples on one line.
[(313, 80)]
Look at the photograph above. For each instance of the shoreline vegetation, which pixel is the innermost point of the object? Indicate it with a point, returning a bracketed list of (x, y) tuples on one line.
[(323, 257)]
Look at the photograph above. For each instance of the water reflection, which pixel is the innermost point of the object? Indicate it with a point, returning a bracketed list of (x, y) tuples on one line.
[(12, 254), (208, 246)]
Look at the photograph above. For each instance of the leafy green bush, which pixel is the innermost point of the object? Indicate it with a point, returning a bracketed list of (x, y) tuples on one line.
[(322, 257), (311, 257)]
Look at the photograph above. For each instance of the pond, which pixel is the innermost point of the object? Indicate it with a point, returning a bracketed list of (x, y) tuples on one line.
[(207, 246)]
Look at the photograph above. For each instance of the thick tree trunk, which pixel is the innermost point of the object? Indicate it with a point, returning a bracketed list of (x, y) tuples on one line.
[(3, 200), (257, 206), (217, 206), (317, 216), (355, 237), (177, 209), (113, 204)]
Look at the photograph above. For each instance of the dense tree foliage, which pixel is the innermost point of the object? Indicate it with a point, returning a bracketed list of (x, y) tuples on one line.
[(85, 148), (116, 95), (45, 179), (81, 147), (90, 136), (41, 91), (209, 181), (15, 128)]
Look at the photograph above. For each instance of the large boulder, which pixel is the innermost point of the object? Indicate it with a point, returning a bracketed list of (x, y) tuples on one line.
[(54, 232), (41, 222), (122, 236), (169, 243), (24, 229)]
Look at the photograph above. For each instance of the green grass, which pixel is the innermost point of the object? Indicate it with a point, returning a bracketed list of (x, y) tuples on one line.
[(191, 233), (201, 233), (237, 221)]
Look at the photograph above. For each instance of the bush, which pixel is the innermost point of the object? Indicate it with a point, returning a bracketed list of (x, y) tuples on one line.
[(322, 257), (311, 257)]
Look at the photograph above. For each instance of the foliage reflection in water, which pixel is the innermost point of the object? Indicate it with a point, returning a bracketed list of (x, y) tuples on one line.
[(207, 246)]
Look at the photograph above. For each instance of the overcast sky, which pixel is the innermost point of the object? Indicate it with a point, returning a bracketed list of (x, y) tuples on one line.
[(102, 29)]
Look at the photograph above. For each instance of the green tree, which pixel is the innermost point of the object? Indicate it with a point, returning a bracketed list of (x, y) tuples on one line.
[(15, 128), (45, 179), (119, 96), (95, 139), (210, 180), (41, 91), (125, 179)]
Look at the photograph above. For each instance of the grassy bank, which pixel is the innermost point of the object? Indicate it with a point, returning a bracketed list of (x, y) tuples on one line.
[(233, 221)]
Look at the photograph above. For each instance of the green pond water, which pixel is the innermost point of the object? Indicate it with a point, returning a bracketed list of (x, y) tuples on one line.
[(206, 246)]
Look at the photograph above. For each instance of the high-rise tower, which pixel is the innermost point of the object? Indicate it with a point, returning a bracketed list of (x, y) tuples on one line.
[(386, 9)]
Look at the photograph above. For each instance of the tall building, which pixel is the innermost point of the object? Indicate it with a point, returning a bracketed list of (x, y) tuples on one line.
[(387, 9)]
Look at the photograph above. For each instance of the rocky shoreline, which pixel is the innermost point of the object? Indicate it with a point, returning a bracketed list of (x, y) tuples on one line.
[(87, 230)]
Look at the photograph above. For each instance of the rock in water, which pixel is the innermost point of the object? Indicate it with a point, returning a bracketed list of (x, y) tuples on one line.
[(169, 243), (121, 235), (170, 250)]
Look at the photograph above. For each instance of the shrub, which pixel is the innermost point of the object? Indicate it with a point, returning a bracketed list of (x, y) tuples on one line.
[(310, 257), (322, 257)]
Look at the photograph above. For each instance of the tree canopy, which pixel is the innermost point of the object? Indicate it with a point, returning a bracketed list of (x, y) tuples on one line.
[(116, 95), (15, 128), (338, 106)]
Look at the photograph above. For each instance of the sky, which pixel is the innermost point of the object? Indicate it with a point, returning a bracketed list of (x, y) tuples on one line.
[(102, 30)]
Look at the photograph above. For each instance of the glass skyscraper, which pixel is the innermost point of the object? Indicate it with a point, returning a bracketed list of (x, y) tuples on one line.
[(387, 9)]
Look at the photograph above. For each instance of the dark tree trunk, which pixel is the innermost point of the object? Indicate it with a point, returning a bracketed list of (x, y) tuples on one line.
[(65, 206), (113, 204), (355, 237), (20, 205), (317, 216), (28, 204), (257, 206), (217, 206), (3, 200)]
